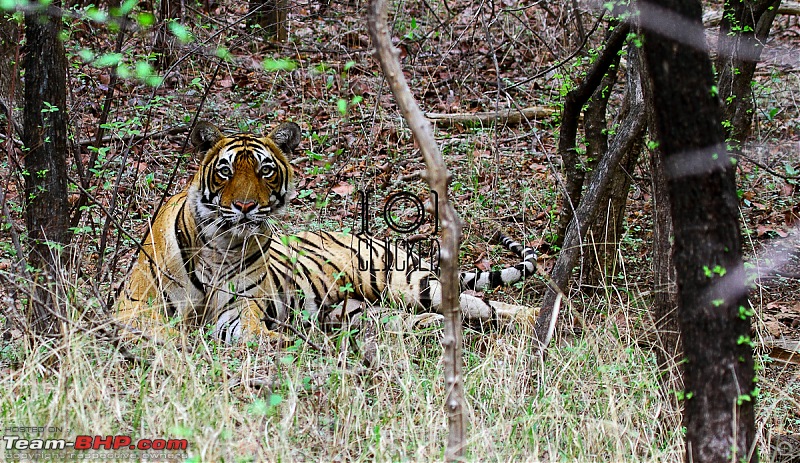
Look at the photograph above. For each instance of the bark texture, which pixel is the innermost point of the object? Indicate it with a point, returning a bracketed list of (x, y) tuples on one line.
[(719, 377), (45, 138), (665, 291), (10, 85)]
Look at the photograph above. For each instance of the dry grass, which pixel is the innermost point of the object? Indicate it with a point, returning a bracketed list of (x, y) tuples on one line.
[(595, 397)]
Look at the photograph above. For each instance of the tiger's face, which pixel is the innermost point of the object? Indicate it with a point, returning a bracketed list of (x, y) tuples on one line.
[(243, 179)]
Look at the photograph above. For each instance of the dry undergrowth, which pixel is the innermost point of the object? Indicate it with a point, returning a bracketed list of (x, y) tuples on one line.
[(596, 396)]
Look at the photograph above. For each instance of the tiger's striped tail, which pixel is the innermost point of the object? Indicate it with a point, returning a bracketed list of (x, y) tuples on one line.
[(478, 280)]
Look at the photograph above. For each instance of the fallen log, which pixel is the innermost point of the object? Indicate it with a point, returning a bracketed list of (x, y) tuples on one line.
[(504, 116)]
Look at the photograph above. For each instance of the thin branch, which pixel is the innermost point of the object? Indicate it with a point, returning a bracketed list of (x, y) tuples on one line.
[(438, 178), (175, 130), (98, 329), (766, 168), (563, 61), (712, 18)]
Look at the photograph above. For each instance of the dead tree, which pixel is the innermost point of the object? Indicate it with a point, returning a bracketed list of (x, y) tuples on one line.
[(45, 139), (712, 297)]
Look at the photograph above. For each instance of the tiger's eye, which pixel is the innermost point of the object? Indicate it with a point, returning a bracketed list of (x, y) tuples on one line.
[(266, 171), (224, 171)]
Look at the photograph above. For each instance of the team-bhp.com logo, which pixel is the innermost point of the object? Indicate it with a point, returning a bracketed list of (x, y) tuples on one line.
[(403, 212), (94, 443)]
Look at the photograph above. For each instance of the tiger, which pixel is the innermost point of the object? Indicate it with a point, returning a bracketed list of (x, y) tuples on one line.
[(214, 258)]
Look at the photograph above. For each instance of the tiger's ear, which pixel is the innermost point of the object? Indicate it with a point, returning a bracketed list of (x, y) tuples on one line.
[(286, 136), (205, 135)]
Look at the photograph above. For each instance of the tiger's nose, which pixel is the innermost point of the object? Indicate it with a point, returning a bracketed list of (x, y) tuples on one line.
[(244, 206)]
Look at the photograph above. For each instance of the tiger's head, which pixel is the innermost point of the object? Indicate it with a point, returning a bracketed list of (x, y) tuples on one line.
[(243, 179)]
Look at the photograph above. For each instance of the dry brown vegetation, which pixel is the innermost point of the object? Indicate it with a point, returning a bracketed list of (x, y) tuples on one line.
[(595, 397)]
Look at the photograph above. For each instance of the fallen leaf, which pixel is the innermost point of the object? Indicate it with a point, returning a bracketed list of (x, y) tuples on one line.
[(343, 189)]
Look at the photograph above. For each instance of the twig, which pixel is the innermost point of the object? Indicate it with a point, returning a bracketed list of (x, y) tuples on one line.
[(437, 177), (766, 168), (563, 61), (139, 137), (98, 141), (712, 18), (503, 116), (98, 330), (290, 328)]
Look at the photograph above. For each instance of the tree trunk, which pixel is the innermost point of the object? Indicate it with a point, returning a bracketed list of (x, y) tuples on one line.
[(665, 291), (712, 297), (665, 299), (10, 85), (574, 172), (164, 46), (628, 135), (270, 15), (608, 227), (45, 138), (742, 33)]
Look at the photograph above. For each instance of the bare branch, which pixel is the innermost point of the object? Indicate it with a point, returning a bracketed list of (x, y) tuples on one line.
[(438, 178)]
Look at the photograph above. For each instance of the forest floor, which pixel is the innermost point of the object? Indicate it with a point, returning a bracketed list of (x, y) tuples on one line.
[(597, 396)]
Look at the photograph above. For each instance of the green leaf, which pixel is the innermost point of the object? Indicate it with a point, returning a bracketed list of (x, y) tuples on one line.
[(127, 6), (96, 15), (146, 73), (280, 64), (224, 54), (86, 55), (265, 407), (123, 71), (342, 106), (146, 19), (259, 407), (275, 399), (109, 59), (181, 32)]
